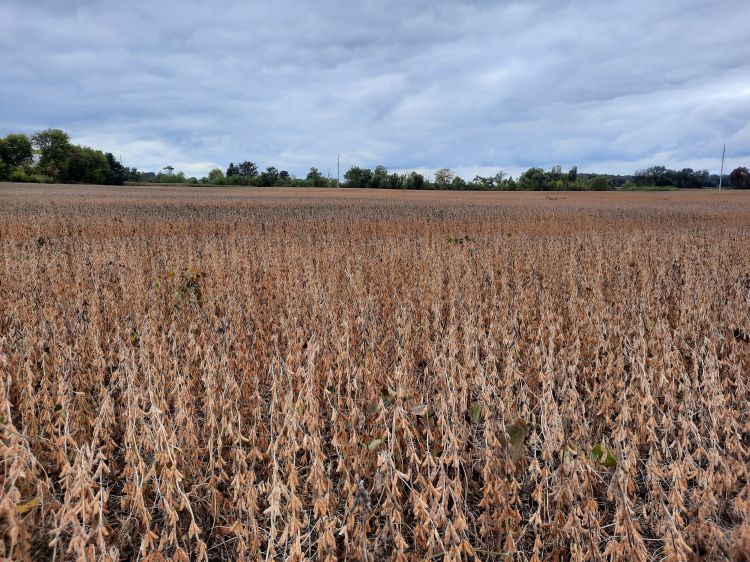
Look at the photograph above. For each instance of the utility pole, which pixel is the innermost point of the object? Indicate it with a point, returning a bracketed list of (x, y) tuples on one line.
[(338, 169), (721, 175)]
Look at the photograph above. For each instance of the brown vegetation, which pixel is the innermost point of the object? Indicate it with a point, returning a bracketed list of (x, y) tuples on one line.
[(231, 374)]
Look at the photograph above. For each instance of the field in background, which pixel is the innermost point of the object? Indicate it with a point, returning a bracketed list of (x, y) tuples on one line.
[(252, 374)]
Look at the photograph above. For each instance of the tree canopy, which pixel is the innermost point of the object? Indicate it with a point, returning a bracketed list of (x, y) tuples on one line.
[(57, 160), (740, 178), (50, 156)]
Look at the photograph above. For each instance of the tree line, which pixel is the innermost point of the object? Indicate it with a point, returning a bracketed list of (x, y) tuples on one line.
[(49, 156), (247, 173)]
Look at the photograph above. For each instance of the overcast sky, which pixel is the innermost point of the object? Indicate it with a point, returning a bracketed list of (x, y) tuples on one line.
[(473, 85)]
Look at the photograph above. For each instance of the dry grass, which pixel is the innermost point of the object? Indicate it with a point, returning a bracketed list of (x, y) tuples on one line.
[(304, 374)]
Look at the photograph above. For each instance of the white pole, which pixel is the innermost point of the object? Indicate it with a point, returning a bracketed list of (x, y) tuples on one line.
[(721, 175)]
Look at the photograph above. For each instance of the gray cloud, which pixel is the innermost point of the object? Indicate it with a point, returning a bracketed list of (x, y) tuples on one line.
[(474, 85)]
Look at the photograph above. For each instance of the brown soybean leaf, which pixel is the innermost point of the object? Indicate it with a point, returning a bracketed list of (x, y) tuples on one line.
[(517, 433), (420, 409)]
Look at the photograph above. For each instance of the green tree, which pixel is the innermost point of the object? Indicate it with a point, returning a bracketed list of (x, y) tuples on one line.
[(16, 151), (535, 179), (379, 178), (85, 165), (509, 184), (458, 183), (480, 182), (232, 170), (655, 175), (215, 176), (117, 174), (573, 174), (443, 178), (247, 169), (395, 181), (740, 178), (55, 150), (599, 183), (315, 178), (414, 180), (358, 177), (270, 177)]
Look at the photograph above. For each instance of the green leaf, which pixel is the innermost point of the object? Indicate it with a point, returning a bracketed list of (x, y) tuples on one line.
[(475, 412), (597, 452), (374, 444), (58, 407), (610, 461), (28, 506), (300, 409), (603, 455)]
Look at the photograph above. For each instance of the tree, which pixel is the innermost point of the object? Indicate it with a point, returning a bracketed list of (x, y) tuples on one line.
[(232, 170), (169, 170), (740, 178), (458, 183), (379, 178), (443, 178), (117, 172), (358, 177), (247, 169), (55, 150), (654, 176), (535, 179), (270, 177), (480, 182), (573, 174), (315, 178), (599, 183), (86, 165), (215, 175), (414, 180), (395, 181), (16, 150), (284, 176), (509, 184)]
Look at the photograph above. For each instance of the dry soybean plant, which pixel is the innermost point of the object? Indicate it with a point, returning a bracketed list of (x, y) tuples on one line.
[(317, 375)]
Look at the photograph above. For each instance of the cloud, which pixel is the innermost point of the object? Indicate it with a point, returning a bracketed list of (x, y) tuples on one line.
[(472, 85)]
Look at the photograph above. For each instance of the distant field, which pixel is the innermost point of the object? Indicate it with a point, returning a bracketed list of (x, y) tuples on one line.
[(269, 374)]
